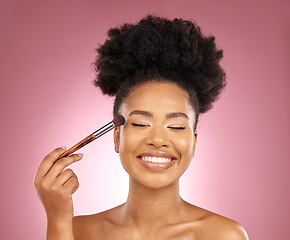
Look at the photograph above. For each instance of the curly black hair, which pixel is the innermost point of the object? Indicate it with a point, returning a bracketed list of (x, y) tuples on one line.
[(161, 50)]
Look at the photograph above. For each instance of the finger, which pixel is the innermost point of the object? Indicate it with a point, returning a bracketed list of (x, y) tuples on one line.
[(61, 164), (71, 185), (65, 176), (48, 161)]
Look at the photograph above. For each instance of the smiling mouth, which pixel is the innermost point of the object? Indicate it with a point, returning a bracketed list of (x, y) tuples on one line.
[(156, 163), (156, 160)]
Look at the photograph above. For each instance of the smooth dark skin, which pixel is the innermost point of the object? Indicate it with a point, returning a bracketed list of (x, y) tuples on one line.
[(154, 208)]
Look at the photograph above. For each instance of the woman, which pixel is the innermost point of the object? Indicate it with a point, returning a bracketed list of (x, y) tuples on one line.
[(164, 74)]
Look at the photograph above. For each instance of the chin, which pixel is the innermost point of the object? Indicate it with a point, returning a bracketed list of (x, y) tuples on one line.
[(155, 181)]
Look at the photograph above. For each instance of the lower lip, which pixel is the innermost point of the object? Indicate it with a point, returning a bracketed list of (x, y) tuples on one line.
[(156, 167)]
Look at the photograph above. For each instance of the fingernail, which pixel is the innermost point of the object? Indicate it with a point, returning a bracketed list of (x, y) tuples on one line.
[(80, 154), (63, 147)]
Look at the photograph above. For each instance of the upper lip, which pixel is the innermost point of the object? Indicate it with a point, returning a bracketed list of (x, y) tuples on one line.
[(157, 154)]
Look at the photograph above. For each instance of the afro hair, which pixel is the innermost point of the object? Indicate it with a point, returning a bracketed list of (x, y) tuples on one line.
[(160, 48)]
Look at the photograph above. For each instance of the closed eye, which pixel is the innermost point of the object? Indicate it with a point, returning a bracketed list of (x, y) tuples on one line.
[(139, 124), (177, 128)]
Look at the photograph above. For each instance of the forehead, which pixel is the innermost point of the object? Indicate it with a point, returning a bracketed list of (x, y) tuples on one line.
[(158, 97)]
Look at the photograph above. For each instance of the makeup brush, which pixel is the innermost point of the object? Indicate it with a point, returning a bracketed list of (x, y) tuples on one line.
[(119, 120)]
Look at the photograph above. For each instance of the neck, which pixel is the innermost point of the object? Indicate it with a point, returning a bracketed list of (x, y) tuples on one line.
[(152, 207)]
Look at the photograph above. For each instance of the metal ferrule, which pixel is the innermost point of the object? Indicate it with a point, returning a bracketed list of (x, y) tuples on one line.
[(104, 129)]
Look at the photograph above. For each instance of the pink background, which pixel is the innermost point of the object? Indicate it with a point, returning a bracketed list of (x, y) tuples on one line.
[(241, 168)]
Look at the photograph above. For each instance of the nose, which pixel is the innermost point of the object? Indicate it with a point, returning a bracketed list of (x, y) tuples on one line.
[(158, 137)]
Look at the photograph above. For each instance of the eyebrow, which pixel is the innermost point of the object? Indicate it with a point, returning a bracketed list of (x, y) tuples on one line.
[(176, 114), (139, 112), (149, 114)]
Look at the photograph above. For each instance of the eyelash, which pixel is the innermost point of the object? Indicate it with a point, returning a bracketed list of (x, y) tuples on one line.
[(177, 128), (146, 125), (139, 125)]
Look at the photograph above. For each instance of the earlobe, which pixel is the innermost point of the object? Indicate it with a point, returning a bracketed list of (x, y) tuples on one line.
[(195, 139), (117, 139)]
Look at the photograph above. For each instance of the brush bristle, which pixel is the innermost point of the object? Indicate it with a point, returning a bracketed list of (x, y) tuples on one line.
[(119, 120)]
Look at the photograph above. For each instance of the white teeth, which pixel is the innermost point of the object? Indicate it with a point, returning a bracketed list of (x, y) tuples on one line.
[(155, 159)]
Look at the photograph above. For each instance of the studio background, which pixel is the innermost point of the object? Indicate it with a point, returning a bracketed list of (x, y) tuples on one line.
[(241, 166)]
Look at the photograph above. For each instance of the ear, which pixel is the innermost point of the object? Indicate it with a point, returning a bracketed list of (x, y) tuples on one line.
[(195, 140), (117, 139)]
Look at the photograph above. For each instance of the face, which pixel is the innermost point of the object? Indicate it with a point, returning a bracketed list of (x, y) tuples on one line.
[(157, 142)]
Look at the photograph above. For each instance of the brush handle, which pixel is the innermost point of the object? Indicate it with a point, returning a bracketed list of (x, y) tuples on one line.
[(79, 145), (88, 139)]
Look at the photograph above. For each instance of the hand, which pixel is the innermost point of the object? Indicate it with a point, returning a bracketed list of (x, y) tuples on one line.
[(55, 186)]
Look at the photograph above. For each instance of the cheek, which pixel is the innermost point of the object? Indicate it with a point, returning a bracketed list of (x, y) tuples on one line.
[(128, 142), (185, 145)]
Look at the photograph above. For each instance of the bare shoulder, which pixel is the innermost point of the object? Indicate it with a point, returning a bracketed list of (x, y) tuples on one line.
[(225, 229), (87, 226), (210, 225), (93, 226)]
